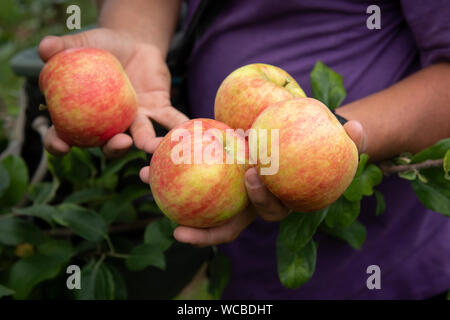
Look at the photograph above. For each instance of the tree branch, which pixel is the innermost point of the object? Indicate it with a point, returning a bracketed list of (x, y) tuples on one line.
[(389, 168)]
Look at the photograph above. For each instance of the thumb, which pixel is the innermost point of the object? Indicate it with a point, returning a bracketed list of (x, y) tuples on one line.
[(51, 45), (118, 44)]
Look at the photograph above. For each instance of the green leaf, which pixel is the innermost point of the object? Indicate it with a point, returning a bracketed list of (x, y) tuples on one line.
[(366, 177), (26, 273), (408, 175), (4, 291), (370, 177), (446, 165), (219, 270), (4, 179), (381, 204), (42, 211), (87, 195), (295, 268), (97, 282), (327, 86), (435, 194), (108, 182), (297, 229), (114, 207), (342, 212), (18, 180), (115, 165), (75, 167), (160, 233), (133, 192), (355, 235), (62, 249), (86, 223), (146, 255), (120, 287), (43, 192), (436, 151), (354, 191), (363, 159), (14, 231)]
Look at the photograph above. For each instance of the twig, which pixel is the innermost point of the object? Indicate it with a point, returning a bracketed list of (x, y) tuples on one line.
[(389, 168), (17, 136)]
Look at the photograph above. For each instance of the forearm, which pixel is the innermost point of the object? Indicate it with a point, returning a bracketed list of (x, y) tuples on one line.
[(409, 116), (151, 21)]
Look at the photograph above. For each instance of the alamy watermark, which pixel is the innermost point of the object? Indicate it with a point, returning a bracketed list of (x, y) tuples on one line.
[(73, 21), (212, 146)]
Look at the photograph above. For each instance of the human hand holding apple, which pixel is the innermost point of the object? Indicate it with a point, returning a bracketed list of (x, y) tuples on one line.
[(149, 75), (262, 203), (311, 121)]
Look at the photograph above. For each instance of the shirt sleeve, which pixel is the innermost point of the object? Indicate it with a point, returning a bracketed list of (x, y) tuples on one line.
[(429, 21)]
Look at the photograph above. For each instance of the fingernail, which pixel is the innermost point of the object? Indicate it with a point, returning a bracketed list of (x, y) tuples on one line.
[(253, 181)]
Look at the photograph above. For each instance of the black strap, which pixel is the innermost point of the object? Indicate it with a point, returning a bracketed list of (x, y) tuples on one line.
[(341, 119), (204, 15)]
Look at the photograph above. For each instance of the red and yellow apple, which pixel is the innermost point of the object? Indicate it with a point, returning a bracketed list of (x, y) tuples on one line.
[(197, 173), (317, 159), (89, 96), (247, 91)]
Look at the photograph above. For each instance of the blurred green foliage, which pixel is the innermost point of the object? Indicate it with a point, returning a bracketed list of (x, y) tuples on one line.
[(23, 23)]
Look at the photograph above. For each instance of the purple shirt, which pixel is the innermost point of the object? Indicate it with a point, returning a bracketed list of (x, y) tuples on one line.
[(410, 243)]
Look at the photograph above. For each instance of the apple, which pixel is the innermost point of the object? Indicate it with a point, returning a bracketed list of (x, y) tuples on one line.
[(247, 91), (89, 96), (197, 173), (317, 160)]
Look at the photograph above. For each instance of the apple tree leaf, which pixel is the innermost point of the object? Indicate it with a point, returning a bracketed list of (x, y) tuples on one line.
[(219, 270), (354, 235), (160, 233), (436, 151), (42, 211), (4, 291), (295, 268), (297, 229), (342, 212), (86, 223), (18, 180), (327, 86), (26, 273), (381, 203), (4, 179), (435, 193), (97, 282), (145, 255), (14, 231)]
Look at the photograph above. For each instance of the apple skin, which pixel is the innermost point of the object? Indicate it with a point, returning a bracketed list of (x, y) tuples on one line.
[(89, 96), (198, 195), (247, 91), (317, 159)]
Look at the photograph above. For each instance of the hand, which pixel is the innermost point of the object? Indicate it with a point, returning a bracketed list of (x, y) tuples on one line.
[(148, 72), (263, 204)]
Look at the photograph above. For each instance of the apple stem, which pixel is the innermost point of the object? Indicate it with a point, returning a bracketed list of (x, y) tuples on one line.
[(42, 107)]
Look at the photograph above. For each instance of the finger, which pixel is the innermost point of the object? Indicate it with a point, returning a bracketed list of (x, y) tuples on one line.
[(267, 205), (356, 133), (144, 174), (167, 116), (54, 144), (117, 146), (143, 134), (49, 46), (216, 235), (117, 44)]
